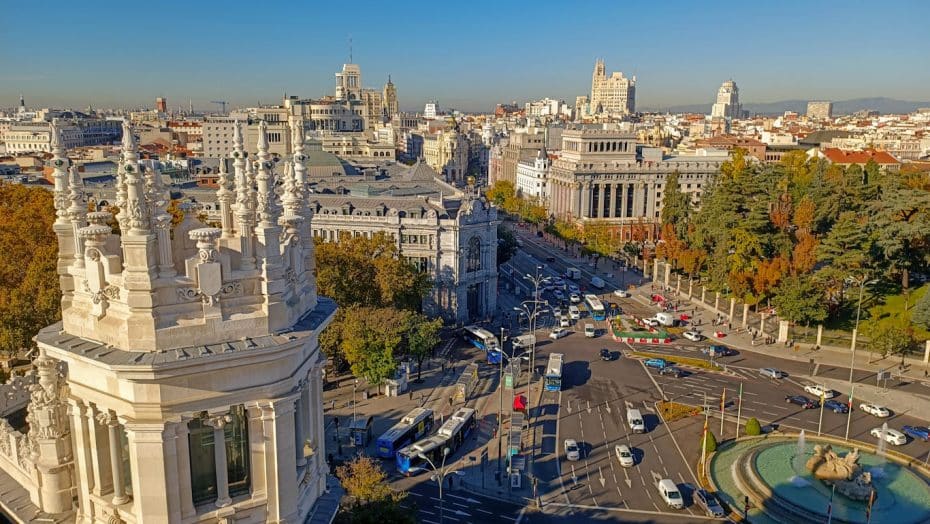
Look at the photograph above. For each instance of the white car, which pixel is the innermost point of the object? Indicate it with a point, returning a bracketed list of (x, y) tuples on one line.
[(772, 373), (892, 436), (651, 322), (564, 322), (574, 313), (693, 336), (624, 455), (572, 451), (818, 390), (558, 333), (621, 293), (575, 298), (875, 409)]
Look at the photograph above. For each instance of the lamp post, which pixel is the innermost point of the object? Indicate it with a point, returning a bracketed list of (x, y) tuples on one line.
[(536, 280), (852, 356), (500, 411), (440, 475), (354, 409)]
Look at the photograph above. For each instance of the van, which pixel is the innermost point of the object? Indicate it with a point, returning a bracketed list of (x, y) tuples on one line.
[(670, 494), (574, 313), (597, 282), (635, 419), (666, 319), (573, 273), (589, 331)]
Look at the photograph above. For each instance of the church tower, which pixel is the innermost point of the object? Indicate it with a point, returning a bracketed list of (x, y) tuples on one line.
[(184, 381), (390, 99)]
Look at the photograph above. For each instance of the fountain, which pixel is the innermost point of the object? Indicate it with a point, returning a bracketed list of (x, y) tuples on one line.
[(789, 482)]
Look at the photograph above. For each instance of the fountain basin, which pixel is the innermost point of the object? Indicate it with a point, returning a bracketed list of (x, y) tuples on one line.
[(775, 478)]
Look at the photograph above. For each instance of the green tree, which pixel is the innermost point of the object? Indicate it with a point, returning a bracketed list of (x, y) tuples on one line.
[(372, 500), (30, 296), (891, 336), (601, 239), (709, 442), (920, 315), (676, 206), (422, 338), (501, 192), (900, 222), (847, 244), (753, 428), (798, 300), (371, 337), (506, 244)]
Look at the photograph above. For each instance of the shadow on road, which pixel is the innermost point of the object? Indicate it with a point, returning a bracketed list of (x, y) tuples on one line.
[(575, 373)]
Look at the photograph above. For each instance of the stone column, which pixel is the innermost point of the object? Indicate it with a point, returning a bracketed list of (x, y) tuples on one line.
[(623, 190), (586, 199), (116, 461), (678, 285), (280, 464), (99, 452), (613, 200), (668, 275), (819, 334), (260, 450), (655, 270), (182, 447), (218, 423), (732, 308), (745, 315), (300, 424), (927, 352), (783, 326), (690, 288), (153, 457), (762, 324), (703, 294), (83, 466)]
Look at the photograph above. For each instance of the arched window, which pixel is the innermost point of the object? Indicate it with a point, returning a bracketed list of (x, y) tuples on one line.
[(473, 260)]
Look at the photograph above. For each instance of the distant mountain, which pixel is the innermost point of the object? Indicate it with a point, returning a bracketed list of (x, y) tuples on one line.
[(841, 107)]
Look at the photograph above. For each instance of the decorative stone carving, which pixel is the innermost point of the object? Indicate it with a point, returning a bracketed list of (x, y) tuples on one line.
[(844, 472), (47, 413)]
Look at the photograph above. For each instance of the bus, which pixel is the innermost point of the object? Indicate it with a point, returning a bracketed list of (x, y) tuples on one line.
[(414, 426), (595, 307), (480, 338), (451, 435), (553, 380)]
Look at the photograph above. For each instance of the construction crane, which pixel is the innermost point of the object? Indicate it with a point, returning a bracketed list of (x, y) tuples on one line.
[(221, 103)]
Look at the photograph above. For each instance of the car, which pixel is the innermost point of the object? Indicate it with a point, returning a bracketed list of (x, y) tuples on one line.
[(657, 363), (802, 401), (621, 293), (624, 455), (818, 390), (558, 333), (574, 313), (875, 410), (606, 355), (573, 288), (672, 371), (891, 436), (558, 294), (717, 350), (836, 406), (772, 373), (564, 321), (572, 451), (575, 298), (708, 503), (693, 336), (550, 259), (539, 234), (917, 432), (590, 331), (651, 322)]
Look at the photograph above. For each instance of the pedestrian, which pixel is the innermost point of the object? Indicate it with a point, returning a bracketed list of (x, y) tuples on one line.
[(450, 481), (411, 394), (332, 404)]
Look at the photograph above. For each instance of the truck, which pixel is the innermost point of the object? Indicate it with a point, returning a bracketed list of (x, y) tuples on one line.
[(523, 341), (573, 273), (666, 319)]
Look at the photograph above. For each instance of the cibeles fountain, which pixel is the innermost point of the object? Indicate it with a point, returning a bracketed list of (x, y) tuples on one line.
[(843, 472), (815, 479)]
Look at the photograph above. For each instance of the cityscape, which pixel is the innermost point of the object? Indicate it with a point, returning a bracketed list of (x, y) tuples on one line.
[(402, 268)]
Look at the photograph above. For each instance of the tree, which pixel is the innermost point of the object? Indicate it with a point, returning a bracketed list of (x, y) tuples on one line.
[(30, 296), (798, 300), (676, 206), (373, 500), (501, 192), (901, 226), (370, 339), (753, 428), (846, 246), (920, 315), (709, 442), (601, 239), (422, 338), (506, 244), (891, 336)]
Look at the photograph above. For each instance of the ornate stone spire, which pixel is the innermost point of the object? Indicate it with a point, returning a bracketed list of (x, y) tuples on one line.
[(60, 165), (76, 212), (244, 207), (226, 195), (136, 208), (266, 208)]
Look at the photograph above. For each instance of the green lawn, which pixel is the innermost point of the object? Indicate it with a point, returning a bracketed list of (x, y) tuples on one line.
[(894, 304)]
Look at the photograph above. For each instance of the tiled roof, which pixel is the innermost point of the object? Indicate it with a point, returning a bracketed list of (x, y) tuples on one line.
[(839, 156)]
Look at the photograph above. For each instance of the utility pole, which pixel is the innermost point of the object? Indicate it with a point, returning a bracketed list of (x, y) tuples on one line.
[(852, 390)]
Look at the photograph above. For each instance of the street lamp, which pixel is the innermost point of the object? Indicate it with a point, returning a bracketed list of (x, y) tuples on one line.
[(852, 358), (529, 386), (439, 474)]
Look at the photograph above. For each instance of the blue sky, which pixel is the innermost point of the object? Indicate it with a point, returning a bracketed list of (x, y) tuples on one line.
[(467, 54)]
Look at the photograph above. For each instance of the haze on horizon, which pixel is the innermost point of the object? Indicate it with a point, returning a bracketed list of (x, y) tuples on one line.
[(468, 56)]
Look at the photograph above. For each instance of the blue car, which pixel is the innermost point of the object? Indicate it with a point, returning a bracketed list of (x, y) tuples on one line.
[(836, 406), (658, 363), (917, 432)]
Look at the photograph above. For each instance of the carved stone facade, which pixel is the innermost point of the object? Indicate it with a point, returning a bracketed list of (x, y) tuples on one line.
[(184, 383)]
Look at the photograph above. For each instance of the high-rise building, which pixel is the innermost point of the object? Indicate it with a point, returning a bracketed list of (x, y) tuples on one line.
[(391, 107), (615, 94), (727, 105), (820, 110), (184, 380), (431, 109), (161, 104)]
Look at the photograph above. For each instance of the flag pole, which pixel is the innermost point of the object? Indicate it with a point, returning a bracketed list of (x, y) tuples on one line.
[(823, 397), (830, 507), (739, 409), (723, 401)]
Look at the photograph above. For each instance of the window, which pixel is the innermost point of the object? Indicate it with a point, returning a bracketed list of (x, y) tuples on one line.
[(473, 259), (203, 461)]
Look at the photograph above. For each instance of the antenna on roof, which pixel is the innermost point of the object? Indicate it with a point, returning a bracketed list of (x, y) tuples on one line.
[(350, 49)]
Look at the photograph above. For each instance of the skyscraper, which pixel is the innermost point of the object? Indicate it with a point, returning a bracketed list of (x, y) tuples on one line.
[(820, 110), (390, 99), (349, 82), (727, 105), (615, 94), (161, 104)]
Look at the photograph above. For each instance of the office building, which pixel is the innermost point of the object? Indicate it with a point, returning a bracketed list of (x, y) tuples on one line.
[(727, 105), (611, 95), (820, 110)]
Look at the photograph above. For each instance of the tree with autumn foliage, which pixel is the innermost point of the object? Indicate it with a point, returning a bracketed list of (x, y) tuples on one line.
[(30, 296), (600, 239), (371, 498)]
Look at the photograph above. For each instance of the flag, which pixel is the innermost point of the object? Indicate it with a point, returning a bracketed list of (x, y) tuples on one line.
[(723, 400), (740, 401)]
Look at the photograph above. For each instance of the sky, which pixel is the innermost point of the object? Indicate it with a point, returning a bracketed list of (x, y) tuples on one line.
[(468, 55)]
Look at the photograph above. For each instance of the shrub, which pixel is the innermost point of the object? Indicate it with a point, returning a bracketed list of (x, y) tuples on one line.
[(710, 443), (753, 428)]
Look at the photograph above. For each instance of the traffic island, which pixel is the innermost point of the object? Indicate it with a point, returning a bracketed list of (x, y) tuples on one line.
[(672, 411), (680, 361)]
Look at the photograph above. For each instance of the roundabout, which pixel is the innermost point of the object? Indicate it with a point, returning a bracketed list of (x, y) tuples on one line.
[(806, 479)]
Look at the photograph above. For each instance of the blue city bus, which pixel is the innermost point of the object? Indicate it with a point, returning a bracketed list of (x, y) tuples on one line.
[(596, 307), (480, 338), (414, 426), (553, 378), (451, 435)]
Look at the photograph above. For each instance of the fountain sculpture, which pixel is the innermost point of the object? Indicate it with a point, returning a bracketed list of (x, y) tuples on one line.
[(843, 472)]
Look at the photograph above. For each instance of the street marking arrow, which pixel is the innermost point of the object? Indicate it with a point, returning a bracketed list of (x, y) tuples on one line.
[(601, 476)]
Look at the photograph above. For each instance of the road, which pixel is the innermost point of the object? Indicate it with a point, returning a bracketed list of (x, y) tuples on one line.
[(458, 506)]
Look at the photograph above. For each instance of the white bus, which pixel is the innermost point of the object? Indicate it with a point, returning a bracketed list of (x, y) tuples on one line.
[(595, 307), (553, 381)]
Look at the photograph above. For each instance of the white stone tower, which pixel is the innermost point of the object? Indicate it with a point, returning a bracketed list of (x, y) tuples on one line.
[(191, 380)]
